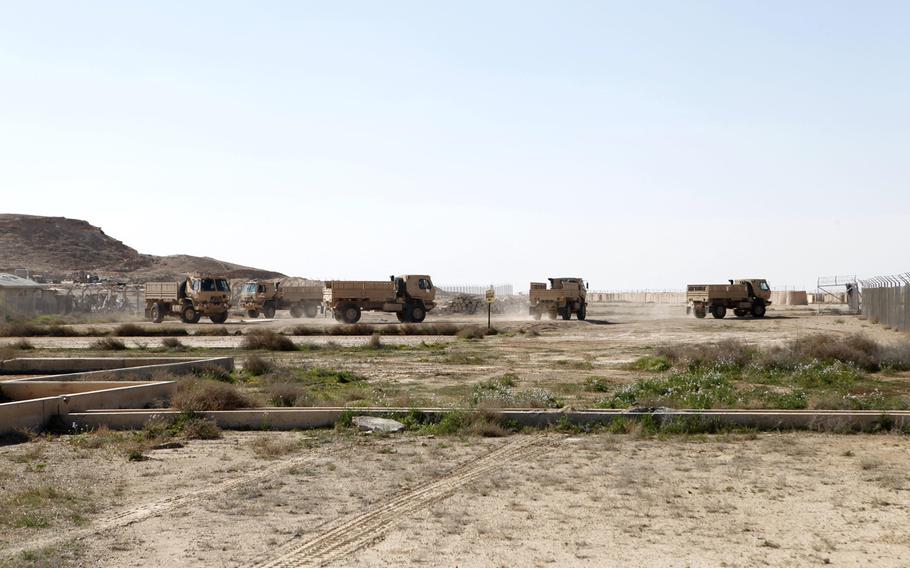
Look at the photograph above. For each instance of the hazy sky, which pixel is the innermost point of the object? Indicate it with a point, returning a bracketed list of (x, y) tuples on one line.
[(638, 144)]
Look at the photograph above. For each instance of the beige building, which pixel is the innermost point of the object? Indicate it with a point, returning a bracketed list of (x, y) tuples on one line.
[(19, 297)]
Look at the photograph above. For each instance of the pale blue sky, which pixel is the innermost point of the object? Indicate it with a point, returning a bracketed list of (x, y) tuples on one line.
[(638, 144)]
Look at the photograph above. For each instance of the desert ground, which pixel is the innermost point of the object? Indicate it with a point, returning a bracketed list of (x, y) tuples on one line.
[(492, 496)]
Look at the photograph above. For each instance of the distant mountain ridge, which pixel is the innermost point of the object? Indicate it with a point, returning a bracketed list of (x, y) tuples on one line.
[(62, 248)]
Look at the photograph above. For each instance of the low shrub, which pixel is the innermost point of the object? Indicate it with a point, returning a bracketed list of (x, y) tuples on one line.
[(214, 331), (134, 330), (267, 340), (199, 428), (108, 344), (256, 365), (198, 395), (22, 345), (213, 372), (597, 384), (502, 393), (173, 344)]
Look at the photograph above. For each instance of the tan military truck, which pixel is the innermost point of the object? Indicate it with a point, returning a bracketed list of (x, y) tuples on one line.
[(268, 296), (196, 296), (565, 297), (410, 297), (746, 296)]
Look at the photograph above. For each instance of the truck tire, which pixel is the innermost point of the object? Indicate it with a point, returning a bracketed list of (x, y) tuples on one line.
[(350, 313), (417, 313), (740, 313), (252, 314), (296, 311), (402, 316), (188, 315), (219, 318), (758, 310), (718, 311), (551, 314), (566, 313), (310, 310), (536, 314), (699, 311), (268, 310), (157, 313), (582, 312)]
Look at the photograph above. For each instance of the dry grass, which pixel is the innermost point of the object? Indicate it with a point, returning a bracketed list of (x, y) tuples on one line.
[(173, 344), (267, 340), (256, 365), (273, 447), (855, 349), (199, 395), (384, 329), (133, 330), (108, 344)]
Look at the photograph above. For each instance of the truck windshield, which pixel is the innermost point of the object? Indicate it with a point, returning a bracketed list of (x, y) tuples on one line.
[(249, 289), (212, 285), (764, 286)]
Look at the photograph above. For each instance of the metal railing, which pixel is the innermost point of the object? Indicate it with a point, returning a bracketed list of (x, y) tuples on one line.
[(886, 300)]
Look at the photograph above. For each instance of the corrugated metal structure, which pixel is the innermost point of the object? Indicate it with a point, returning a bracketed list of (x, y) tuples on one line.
[(19, 297)]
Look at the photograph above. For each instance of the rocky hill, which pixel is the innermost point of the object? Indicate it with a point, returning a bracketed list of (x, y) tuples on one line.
[(62, 249)]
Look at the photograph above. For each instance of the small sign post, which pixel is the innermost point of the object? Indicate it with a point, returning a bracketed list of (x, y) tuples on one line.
[(491, 295)]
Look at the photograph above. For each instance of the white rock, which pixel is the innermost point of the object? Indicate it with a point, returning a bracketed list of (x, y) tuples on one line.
[(374, 424)]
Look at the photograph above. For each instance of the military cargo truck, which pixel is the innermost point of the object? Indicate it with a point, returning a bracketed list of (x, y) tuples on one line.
[(196, 296), (566, 296), (268, 296), (410, 297), (746, 296)]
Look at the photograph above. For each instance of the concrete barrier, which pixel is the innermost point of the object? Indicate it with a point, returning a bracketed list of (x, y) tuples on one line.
[(35, 400), (78, 369)]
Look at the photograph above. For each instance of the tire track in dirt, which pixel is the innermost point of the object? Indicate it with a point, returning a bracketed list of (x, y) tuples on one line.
[(350, 535), (139, 513)]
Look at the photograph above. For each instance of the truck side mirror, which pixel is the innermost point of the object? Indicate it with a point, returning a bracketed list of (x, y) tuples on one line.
[(392, 278), (587, 285)]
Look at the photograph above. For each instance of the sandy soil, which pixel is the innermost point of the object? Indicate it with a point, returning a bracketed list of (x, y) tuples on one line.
[(529, 500)]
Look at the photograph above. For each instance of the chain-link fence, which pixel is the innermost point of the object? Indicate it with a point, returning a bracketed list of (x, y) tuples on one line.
[(886, 300), (476, 289)]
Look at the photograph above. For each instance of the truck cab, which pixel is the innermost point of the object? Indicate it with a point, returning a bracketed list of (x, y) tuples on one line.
[(415, 287), (757, 287), (209, 294)]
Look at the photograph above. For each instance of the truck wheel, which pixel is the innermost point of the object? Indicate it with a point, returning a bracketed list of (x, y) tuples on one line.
[(418, 314), (740, 313), (218, 318), (582, 312), (758, 310), (157, 314), (188, 315), (402, 316), (536, 314), (252, 314), (699, 310), (296, 311), (551, 314), (268, 311), (718, 311), (350, 313), (566, 313), (310, 310)]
